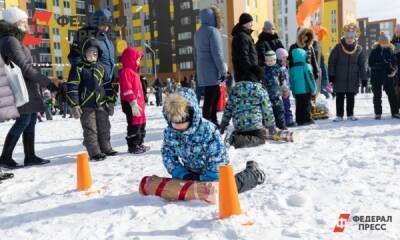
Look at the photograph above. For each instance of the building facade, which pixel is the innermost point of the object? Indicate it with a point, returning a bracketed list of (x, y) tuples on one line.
[(370, 31)]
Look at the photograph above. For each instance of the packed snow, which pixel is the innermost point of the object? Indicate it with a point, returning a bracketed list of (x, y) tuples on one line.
[(331, 168)]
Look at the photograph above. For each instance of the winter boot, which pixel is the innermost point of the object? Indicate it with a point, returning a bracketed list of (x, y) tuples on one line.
[(378, 117), (338, 119), (111, 152), (144, 147), (352, 118), (99, 157), (6, 160), (5, 176), (249, 178), (29, 148)]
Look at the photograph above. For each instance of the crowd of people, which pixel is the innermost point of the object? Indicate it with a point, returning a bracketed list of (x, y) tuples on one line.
[(266, 77)]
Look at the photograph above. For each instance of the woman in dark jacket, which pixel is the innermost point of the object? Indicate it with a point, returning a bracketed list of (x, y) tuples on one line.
[(244, 53), (305, 40), (268, 40), (12, 29), (396, 44), (347, 66), (383, 64)]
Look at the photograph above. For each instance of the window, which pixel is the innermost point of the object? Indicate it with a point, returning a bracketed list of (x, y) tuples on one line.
[(185, 5), (186, 50), (45, 58), (185, 36), (186, 65), (66, 4), (55, 3), (80, 7), (185, 21), (56, 31), (57, 45)]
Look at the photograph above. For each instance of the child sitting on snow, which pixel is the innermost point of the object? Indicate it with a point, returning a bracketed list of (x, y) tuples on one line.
[(273, 82), (193, 148), (250, 108), (133, 100), (282, 56)]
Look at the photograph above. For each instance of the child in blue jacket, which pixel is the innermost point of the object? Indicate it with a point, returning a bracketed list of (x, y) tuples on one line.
[(193, 148), (273, 82), (303, 85)]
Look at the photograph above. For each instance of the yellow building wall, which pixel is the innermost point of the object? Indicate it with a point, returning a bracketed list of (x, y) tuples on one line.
[(332, 38), (261, 12)]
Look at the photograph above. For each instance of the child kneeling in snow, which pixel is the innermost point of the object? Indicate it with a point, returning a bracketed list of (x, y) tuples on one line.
[(250, 108), (193, 148), (133, 100)]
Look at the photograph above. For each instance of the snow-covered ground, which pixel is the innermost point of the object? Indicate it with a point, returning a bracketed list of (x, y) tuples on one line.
[(332, 168)]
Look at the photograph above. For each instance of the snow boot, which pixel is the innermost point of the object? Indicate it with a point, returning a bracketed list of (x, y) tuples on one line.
[(29, 148), (338, 119), (111, 152), (99, 157), (249, 178), (352, 118), (137, 149), (6, 160), (5, 176), (378, 117)]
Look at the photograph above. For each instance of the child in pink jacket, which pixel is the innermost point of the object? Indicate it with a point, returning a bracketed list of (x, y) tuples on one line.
[(132, 100)]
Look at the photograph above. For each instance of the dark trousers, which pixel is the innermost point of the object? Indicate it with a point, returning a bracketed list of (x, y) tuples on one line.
[(279, 112), (211, 97), (24, 124), (390, 92), (349, 104), (249, 138), (96, 130), (135, 133), (303, 108), (158, 96), (288, 112)]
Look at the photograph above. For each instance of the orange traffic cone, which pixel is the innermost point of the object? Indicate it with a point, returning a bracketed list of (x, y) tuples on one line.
[(84, 178), (228, 194)]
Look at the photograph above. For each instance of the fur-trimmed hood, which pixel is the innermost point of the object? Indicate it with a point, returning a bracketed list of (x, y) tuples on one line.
[(211, 17), (305, 32), (8, 29), (385, 45), (179, 106)]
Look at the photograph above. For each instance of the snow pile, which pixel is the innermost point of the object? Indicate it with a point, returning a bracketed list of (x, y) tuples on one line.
[(332, 168)]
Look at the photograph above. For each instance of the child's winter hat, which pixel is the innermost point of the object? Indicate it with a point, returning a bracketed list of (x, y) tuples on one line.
[(268, 25), (14, 14), (281, 53), (178, 109), (270, 55)]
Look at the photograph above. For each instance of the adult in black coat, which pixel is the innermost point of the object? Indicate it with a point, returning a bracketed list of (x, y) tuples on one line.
[(305, 40), (12, 29), (268, 40), (347, 66), (396, 44), (383, 64), (244, 53)]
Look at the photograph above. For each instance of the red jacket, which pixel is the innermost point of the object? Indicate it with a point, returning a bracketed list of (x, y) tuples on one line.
[(130, 84)]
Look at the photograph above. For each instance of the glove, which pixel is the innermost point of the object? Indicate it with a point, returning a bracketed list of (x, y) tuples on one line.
[(191, 176), (110, 108), (222, 78), (76, 112), (136, 109), (332, 79)]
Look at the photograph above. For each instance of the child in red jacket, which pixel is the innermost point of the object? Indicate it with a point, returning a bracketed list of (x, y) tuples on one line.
[(132, 100)]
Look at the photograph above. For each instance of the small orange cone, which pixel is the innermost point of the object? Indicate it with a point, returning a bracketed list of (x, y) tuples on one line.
[(84, 178), (228, 194)]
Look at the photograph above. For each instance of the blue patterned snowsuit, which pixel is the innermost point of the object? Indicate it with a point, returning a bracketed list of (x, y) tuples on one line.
[(200, 149)]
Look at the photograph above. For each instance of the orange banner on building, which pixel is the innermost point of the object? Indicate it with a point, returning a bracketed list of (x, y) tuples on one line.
[(306, 9)]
